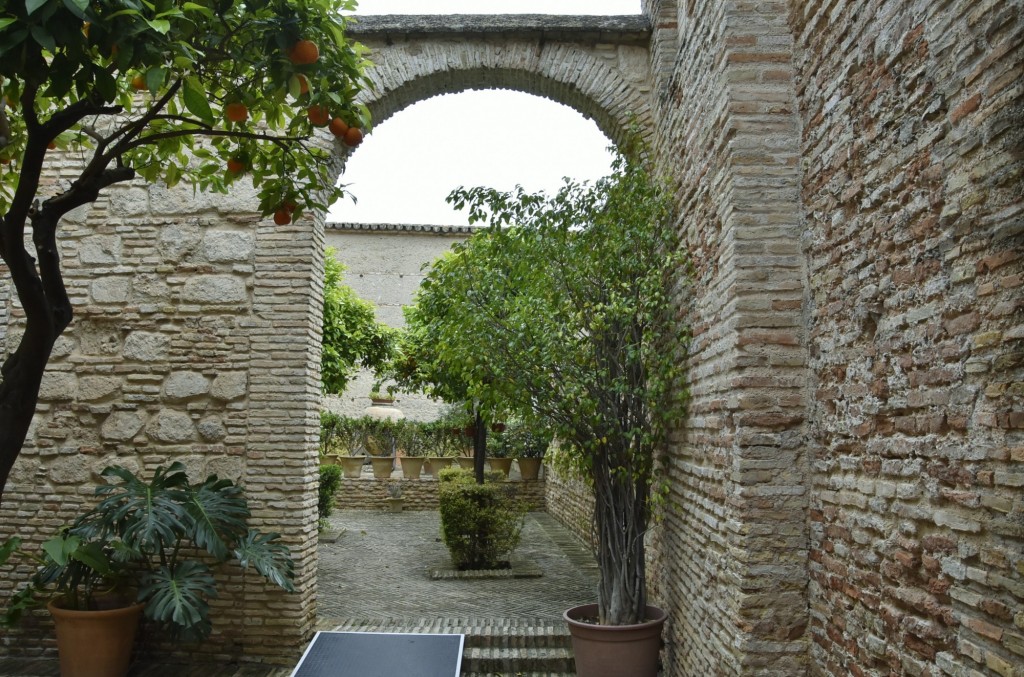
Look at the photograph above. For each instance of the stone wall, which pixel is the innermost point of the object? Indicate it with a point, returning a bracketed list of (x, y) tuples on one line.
[(194, 340), (368, 493), (912, 135)]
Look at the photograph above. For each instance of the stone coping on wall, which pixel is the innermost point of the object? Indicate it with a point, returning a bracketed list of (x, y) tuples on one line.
[(370, 493), (627, 29), (428, 228)]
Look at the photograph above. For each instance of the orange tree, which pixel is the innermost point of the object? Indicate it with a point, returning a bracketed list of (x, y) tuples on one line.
[(200, 91)]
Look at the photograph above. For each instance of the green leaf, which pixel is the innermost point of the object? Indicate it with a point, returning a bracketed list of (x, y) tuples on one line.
[(177, 598), (9, 547), (106, 85), (195, 100), (159, 25), (78, 8), (271, 558), (5, 22), (202, 9), (44, 38), (155, 78), (32, 5)]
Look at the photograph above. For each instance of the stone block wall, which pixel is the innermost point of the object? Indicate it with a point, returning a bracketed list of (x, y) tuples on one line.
[(912, 134), (194, 340)]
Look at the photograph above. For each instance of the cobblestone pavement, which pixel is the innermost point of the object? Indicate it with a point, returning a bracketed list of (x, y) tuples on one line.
[(377, 573), (380, 566)]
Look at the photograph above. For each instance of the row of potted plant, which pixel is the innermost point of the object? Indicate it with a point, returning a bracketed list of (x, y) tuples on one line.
[(424, 446)]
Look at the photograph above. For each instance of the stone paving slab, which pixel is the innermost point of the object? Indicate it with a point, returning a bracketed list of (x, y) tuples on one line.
[(380, 568)]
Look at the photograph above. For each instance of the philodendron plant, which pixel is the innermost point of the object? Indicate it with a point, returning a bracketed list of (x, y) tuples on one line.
[(141, 542)]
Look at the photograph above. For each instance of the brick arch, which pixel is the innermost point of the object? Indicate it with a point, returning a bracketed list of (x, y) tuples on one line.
[(605, 81)]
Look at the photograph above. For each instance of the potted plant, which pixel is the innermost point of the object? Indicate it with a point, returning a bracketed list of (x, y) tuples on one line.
[(409, 440), (499, 457), (340, 443), (561, 312), (147, 547), (439, 447), (527, 443)]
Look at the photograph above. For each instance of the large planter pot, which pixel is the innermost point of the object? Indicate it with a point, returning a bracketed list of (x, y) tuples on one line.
[(502, 465), (436, 464), (95, 643), (352, 466), (411, 467), (529, 468), (615, 650), (466, 462), (382, 467)]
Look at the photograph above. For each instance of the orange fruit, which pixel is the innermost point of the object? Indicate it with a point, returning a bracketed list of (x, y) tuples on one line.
[(51, 146), (338, 127), (353, 137), (236, 166), (5, 160), (139, 83), (282, 216), (318, 115), (303, 53), (236, 112), (303, 84)]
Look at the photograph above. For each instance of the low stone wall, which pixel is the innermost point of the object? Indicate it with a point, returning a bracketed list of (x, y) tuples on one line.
[(370, 493)]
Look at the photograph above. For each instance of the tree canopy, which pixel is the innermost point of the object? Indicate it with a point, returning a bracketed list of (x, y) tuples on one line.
[(560, 311), (199, 91), (352, 336)]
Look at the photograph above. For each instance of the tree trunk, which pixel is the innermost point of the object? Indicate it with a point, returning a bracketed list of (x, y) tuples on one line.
[(479, 446), (620, 518)]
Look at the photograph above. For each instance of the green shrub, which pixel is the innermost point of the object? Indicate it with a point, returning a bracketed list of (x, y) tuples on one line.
[(481, 524), (330, 482), (523, 440)]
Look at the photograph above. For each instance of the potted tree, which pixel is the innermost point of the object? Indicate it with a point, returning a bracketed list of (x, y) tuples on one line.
[(340, 442), (527, 444), (147, 547), (561, 312), (410, 442)]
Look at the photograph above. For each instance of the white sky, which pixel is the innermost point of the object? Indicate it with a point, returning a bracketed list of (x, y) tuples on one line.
[(404, 170)]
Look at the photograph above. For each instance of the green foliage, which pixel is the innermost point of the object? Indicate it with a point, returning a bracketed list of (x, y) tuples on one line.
[(339, 435), (560, 313), (140, 536), (352, 336), (330, 482), (521, 439), (65, 61), (342, 435), (481, 524)]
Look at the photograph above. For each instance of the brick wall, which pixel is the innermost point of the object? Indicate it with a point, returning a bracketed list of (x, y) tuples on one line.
[(912, 137), (571, 502), (730, 559)]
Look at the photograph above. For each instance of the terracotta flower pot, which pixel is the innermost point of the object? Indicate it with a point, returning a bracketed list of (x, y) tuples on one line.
[(352, 466), (466, 462), (529, 468), (92, 643), (436, 464), (502, 465), (615, 650), (382, 467), (411, 467)]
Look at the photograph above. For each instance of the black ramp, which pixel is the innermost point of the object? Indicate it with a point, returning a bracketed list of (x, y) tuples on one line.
[(371, 654)]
